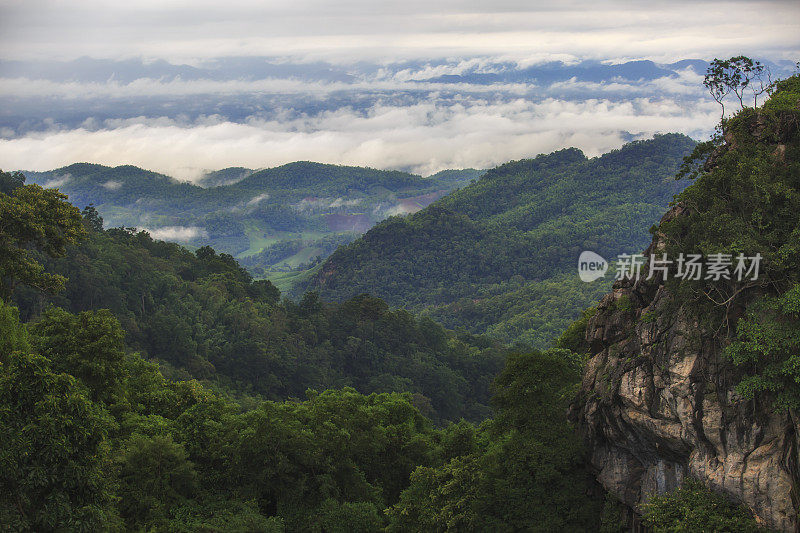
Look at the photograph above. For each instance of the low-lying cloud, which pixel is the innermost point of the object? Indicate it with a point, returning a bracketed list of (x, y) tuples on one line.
[(177, 233), (341, 202), (400, 209), (111, 185), (257, 199), (423, 137), (57, 182)]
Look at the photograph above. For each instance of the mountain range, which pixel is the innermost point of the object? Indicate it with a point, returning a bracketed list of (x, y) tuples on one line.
[(305, 207), (486, 251), (495, 256)]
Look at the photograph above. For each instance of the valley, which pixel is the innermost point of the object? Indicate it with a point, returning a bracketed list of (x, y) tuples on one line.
[(306, 208)]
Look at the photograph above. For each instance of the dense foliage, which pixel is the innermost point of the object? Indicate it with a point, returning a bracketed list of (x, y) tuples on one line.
[(203, 315), (692, 508), (745, 200), (172, 456), (500, 254), (522, 471), (94, 437), (768, 347)]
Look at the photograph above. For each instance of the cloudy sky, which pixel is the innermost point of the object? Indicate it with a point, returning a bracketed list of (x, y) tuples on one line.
[(183, 87)]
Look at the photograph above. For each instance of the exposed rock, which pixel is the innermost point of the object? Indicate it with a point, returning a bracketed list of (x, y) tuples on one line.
[(658, 404)]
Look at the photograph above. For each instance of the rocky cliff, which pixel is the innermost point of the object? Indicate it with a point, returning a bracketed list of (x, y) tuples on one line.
[(658, 404), (659, 399)]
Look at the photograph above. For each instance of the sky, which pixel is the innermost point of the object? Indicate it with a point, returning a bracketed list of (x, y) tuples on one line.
[(185, 87)]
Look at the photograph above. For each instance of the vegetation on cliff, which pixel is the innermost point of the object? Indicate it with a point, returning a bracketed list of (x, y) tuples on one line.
[(745, 200), (696, 377)]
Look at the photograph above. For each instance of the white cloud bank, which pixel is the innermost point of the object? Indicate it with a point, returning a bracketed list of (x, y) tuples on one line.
[(57, 182), (177, 233), (255, 200), (112, 185), (424, 137), (687, 82)]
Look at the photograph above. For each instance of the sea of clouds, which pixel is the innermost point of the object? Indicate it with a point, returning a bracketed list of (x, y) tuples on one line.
[(421, 118), (187, 87)]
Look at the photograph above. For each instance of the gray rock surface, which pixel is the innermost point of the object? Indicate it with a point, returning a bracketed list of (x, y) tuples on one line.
[(657, 404)]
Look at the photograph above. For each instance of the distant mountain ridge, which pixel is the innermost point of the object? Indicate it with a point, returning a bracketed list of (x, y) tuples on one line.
[(329, 179), (243, 211)]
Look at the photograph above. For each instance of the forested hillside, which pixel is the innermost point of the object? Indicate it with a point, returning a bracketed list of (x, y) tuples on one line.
[(500, 255), (93, 436), (306, 207), (204, 316)]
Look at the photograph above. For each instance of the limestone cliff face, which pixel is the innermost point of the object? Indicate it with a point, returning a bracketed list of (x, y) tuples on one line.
[(658, 404)]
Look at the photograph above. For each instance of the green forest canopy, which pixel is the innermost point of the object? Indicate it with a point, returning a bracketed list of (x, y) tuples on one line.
[(499, 255)]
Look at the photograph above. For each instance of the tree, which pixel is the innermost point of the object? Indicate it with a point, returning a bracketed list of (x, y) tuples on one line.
[(736, 75), (206, 253), (53, 459), (155, 476), (358, 517), (13, 335), (91, 218), (766, 347), (310, 304), (88, 345), (10, 181), (32, 217)]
